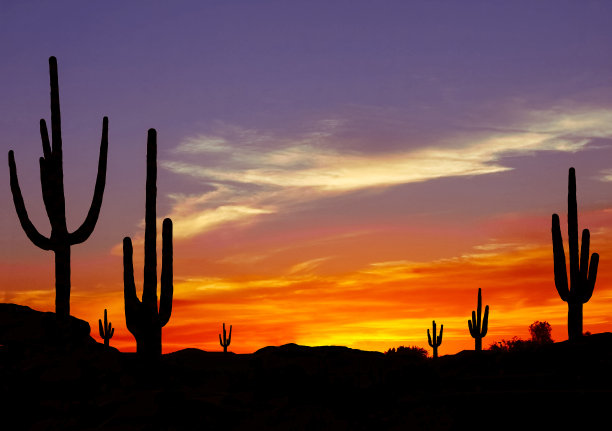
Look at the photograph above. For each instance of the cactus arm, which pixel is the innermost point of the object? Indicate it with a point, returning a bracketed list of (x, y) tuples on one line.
[(132, 303), (167, 289), (229, 339), (220, 342), (47, 189), (44, 136), (474, 328), (84, 231), (584, 256), (112, 330), (590, 281), (429, 339), (440, 337), (485, 322), (39, 240), (100, 328), (149, 290), (560, 269)]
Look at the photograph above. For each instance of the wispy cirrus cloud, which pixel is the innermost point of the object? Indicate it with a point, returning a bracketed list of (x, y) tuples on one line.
[(255, 173)]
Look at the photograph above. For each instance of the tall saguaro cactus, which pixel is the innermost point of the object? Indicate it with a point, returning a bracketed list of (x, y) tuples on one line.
[(143, 318), (52, 182), (582, 278), (478, 327), (437, 340), (226, 340)]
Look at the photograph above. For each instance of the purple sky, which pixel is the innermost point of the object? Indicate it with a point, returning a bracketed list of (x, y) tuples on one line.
[(287, 116)]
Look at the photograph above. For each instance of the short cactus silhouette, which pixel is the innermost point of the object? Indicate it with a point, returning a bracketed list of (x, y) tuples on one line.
[(478, 327), (143, 319), (226, 340), (582, 278), (107, 331), (52, 182), (437, 340)]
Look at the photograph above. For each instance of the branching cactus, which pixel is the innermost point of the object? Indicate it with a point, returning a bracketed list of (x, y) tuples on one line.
[(435, 342), (582, 278), (478, 327), (143, 318), (226, 340), (52, 183), (107, 331)]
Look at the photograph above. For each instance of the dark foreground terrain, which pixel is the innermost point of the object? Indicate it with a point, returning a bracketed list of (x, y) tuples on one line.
[(59, 378)]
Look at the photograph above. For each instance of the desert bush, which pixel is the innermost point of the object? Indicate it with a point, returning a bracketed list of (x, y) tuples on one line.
[(540, 332), (415, 352), (512, 345)]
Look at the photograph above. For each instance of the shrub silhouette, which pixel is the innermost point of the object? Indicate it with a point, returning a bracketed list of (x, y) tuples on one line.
[(413, 352), (226, 340), (582, 278), (107, 331), (143, 319), (514, 344), (540, 332), (478, 327), (52, 184), (437, 340)]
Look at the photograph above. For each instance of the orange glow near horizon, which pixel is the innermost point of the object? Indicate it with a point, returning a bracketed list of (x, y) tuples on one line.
[(374, 307)]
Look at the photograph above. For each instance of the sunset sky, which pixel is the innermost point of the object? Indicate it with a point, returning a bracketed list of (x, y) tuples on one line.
[(338, 172)]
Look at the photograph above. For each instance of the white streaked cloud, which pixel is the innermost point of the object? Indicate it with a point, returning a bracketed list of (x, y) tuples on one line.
[(605, 175), (256, 173)]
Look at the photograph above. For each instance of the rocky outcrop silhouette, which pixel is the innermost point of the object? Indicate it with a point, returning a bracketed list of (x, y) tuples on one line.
[(87, 386)]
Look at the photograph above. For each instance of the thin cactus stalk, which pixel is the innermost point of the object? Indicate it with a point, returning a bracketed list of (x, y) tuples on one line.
[(107, 331), (226, 340), (143, 318), (435, 342), (52, 183), (582, 277), (478, 327)]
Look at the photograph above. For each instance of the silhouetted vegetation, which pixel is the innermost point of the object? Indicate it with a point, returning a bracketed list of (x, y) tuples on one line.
[(226, 340), (143, 319), (582, 278), (414, 352), (107, 331), (52, 183), (513, 344), (478, 327), (540, 332), (437, 340)]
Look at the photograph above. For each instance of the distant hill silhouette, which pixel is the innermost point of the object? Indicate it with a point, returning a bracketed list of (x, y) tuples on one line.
[(63, 379)]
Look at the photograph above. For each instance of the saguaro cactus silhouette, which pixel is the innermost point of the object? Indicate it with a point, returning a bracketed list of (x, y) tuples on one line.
[(107, 331), (582, 278), (437, 340), (52, 182), (143, 318), (226, 340), (478, 327)]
